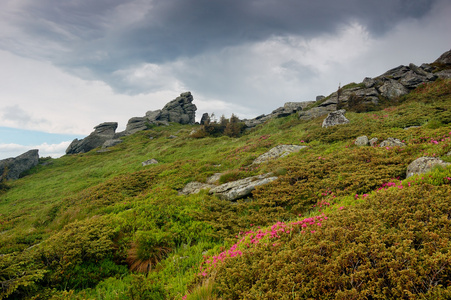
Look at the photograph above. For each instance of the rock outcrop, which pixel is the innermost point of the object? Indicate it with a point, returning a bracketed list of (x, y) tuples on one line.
[(180, 110), (392, 84), (335, 118), (102, 133), (235, 190), (277, 152), (286, 110), (424, 164), (13, 168)]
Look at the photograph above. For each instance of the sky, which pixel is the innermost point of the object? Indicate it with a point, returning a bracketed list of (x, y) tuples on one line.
[(67, 66)]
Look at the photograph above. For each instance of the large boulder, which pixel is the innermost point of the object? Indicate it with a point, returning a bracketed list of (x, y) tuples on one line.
[(424, 164), (12, 168), (180, 110), (195, 187), (102, 133), (335, 118), (235, 190), (277, 152)]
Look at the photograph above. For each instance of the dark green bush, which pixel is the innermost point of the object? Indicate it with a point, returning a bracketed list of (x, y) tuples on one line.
[(396, 245)]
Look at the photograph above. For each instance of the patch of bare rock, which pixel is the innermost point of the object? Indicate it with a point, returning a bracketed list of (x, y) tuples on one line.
[(424, 164)]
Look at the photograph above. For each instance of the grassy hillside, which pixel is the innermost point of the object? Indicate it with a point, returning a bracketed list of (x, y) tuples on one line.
[(341, 221)]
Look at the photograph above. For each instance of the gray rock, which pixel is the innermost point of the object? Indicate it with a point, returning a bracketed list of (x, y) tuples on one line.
[(369, 82), (396, 73), (335, 118), (180, 110), (235, 190), (153, 116), (418, 70), (362, 141), (424, 164), (411, 80), (137, 124), (102, 133), (13, 168), (392, 142), (214, 178), (111, 143), (316, 112), (151, 161), (205, 119), (444, 59), (319, 97), (277, 152), (373, 142), (172, 137), (195, 187), (392, 89)]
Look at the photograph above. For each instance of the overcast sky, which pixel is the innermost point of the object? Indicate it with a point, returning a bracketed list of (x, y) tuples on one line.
[(67, 66)]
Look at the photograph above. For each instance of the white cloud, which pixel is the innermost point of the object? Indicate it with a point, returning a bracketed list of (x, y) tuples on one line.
[(45, 150)]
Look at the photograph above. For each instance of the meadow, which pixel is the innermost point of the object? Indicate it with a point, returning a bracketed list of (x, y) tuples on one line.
[(340, 222)]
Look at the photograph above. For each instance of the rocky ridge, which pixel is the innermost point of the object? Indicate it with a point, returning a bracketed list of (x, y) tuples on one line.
[(13, 168)]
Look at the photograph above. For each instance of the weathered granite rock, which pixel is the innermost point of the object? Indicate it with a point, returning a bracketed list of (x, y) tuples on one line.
[(392, 89), (392, 142), (137, 124), (235, 190), (362, 141), (151, 161), (444, 59), (195, 187), (373, 142), (316, 112), (12, 168), (180, 110), (102, 133), (424, 164), (335, 118), (319, 97), (287, 109), (214, 178), (277, 152), (111, 143)]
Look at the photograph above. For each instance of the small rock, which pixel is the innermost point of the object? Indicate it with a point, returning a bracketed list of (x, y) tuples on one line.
[(172, 137), (373, 142), (423, 165), (277, 152), (235, 190), (362, 141), (149, 162), (392, 142), (335, 118)]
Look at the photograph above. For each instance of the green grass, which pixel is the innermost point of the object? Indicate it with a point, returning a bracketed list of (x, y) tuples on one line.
[(125, 201)]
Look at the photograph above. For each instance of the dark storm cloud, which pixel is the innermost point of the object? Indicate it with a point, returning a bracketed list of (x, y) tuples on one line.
[(102, 36)]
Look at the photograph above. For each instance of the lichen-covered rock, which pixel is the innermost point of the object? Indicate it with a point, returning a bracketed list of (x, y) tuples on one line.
[(12, 168), (362, 141), (424, 164), (151, 161), (235, 190), (335, 118), (373, 142), (392, 142), (277, 152), (195, 187)]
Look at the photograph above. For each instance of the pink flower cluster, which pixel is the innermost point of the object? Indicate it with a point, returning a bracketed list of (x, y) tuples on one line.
[(252, 238)]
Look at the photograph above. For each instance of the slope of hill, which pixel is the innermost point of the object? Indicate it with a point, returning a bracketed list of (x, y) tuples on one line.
[(340, 222)]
